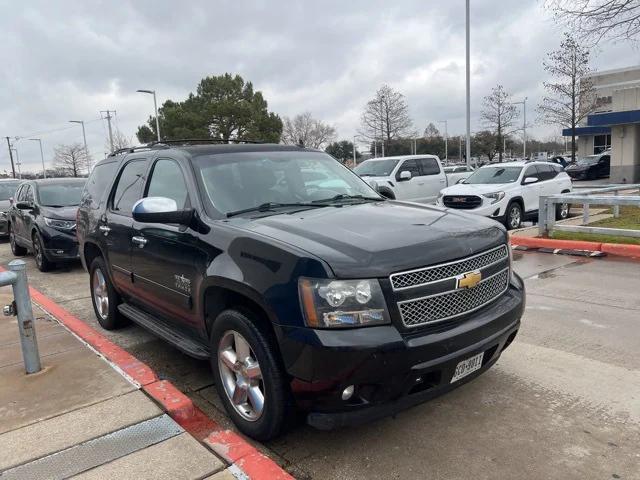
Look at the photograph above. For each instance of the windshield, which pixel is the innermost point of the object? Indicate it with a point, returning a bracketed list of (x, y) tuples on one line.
[(61, 195), (494, 175), (237, 181), (590, 160), (8, 189), (376, 168)]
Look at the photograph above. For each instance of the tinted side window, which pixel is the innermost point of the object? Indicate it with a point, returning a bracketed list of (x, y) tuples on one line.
[(545, 172), (429, 166), (409, 166), (167, 181), (531, 171), (28, 194), (606, 159), (19, 193), (129, 187), (96, 185)]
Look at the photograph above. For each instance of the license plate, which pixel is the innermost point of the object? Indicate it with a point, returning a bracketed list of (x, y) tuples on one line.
[(467, 367)]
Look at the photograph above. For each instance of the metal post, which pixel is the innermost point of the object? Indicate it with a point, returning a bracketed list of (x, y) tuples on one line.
[(585, 213), (155, 107), (524, 128), (542, 216), (354, 151), (468, 45), (26, 321), (616, 208), (551, 215)]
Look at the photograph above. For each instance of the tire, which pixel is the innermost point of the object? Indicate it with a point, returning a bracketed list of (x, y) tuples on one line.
[(104, 298), (266, 385), (42, 262), (16, 249), (562, 211), (513, 216)]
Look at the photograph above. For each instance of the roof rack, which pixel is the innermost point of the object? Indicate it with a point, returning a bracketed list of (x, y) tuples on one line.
[(157, 144)]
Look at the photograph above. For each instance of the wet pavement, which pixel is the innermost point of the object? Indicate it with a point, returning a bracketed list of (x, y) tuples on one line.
[(562, 402)]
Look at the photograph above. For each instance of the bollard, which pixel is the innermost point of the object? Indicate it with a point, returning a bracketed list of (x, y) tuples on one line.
[(26, 322), (616, 208)]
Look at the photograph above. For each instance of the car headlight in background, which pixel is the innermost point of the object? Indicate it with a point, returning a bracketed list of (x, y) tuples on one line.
[(64, 225), (495, 197), (3, 214), (439, 199), (342, 303)]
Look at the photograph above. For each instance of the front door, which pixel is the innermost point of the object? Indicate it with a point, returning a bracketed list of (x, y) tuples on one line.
[(164, 257), (408, 189), (531, 191), (116, 225)]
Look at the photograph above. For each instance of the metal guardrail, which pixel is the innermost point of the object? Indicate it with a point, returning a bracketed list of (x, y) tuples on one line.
[(21, 307), (594, 196)]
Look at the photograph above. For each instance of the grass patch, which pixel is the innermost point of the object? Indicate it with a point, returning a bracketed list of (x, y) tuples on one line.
[(592, 237), (629, 219)]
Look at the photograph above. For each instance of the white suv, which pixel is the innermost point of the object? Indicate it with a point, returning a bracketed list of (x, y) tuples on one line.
[(508, 192), (417, 178)]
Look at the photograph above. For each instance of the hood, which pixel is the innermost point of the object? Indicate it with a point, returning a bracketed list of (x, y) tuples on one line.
[(377, 239), (475, 189), (59, 213)]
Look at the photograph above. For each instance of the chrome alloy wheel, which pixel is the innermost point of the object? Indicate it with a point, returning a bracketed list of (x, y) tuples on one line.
[(241, 375), (100, 294), (564, 210), (514, 217)]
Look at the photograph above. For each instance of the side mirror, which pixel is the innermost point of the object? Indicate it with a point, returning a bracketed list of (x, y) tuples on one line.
[(404, 176), (529, 180), (160, 210), (11, 200), (24, 206)]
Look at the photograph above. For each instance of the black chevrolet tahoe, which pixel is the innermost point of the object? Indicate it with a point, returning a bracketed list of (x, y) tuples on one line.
[(305, 289)]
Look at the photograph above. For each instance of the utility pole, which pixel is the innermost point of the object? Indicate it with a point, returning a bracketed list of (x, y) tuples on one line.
[(468, 54), (460, 147), (18, 163), (108, 117), (13, 168)]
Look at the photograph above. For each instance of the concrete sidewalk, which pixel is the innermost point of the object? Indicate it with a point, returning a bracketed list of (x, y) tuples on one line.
[(80, 417)]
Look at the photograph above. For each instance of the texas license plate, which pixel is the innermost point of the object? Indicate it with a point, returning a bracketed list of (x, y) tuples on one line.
[(467, 367)]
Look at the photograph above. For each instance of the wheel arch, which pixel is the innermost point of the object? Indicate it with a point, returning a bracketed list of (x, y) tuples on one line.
[(519, 200)]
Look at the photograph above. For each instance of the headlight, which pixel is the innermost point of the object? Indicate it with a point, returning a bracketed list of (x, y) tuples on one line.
[(439, 199), (342, 303), (59, 224), (3, 214), (495, 196)]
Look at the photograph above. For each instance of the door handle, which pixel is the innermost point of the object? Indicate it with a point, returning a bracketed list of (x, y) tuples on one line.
[(442, 180), (104, 229), (140, 241)]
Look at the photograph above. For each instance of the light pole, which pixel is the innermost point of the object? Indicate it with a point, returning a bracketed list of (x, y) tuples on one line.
[(468, 55), (524, 125), (355, 161), (155, 107), (446, 139), (84, 138), (44, 171)]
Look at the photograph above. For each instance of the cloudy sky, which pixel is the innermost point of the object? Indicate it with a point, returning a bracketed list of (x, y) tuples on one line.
[(67, 60)]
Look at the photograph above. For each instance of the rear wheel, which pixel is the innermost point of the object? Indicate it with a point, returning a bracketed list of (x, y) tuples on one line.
[(42, 262), (247, 374), (104, 298), (514, 216), (16, 249), (562, 211)]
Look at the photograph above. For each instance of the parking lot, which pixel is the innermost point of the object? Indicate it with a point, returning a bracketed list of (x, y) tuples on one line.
[(562, 402)]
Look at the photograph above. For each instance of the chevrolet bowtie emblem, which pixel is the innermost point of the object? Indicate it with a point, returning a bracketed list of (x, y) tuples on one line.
[(469, 279)]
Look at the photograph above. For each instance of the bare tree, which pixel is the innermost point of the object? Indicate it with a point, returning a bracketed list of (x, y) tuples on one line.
[(386, 116), (570, 95), (72, 159), (431, 131), (305, 130), (498, 114), (595, 20), (120, 141)]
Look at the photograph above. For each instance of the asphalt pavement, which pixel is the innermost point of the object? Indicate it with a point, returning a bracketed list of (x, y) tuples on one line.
[(562, 402)]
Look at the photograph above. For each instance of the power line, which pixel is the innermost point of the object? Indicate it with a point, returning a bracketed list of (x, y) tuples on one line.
[(46, 132)]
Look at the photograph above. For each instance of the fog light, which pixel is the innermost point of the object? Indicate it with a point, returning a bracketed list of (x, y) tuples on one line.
[(347, 393)]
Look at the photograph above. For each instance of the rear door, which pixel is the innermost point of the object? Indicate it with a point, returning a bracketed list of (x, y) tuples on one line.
[(432, 179), (117, 223), (164, 256), (16, 214)]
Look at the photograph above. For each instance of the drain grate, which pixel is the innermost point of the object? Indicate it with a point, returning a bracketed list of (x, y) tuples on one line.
[(101, 450)]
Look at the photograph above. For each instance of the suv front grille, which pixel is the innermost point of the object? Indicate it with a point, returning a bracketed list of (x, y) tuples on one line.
[(443, 306), (423, 276), (466, 202)]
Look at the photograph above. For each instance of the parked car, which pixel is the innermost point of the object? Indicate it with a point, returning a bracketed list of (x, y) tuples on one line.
[(417, 178), (347, 306), (42, 220), (508, 192), (560, 160), (455, 173), (591, 167), (8, 188)]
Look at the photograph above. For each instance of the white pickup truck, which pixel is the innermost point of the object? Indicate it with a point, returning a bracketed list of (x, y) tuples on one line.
[(417, 178)]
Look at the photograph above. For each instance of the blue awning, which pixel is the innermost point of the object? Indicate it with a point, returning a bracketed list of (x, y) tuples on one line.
[(613, 118), (586, 131)]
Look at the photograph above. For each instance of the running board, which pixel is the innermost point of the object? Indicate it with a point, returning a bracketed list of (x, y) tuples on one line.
[(172, 335)]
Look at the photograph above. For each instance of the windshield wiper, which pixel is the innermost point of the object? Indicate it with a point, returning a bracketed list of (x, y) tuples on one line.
[(265, 207), (342, 196)]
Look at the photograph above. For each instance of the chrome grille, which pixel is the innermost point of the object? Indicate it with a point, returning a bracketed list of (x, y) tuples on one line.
[(444, 306), (423, 276)]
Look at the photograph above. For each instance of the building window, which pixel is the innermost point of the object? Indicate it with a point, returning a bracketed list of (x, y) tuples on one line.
[(601, 143)]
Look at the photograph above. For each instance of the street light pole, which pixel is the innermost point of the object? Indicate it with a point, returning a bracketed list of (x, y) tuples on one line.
[(524, 126), (468, 55), (44, 170), (446, 139), (155, 108), (84, 138)]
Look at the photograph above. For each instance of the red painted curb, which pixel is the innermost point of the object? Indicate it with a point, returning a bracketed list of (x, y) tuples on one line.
[(538, 242), (622, 249), (255, 465)]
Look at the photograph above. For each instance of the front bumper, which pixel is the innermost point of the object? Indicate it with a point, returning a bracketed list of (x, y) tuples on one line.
[(393, 371), (496, 210), (3, 226), (577, 174), (59, 246)]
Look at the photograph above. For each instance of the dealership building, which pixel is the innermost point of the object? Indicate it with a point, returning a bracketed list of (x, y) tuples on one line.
[(615, 124)]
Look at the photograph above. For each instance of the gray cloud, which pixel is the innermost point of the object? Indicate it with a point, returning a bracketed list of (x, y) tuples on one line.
[(69, 60)]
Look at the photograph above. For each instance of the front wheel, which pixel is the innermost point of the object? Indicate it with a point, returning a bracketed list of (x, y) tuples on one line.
[(514, 216), (562, 211), (248, 376), (42, 262)]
